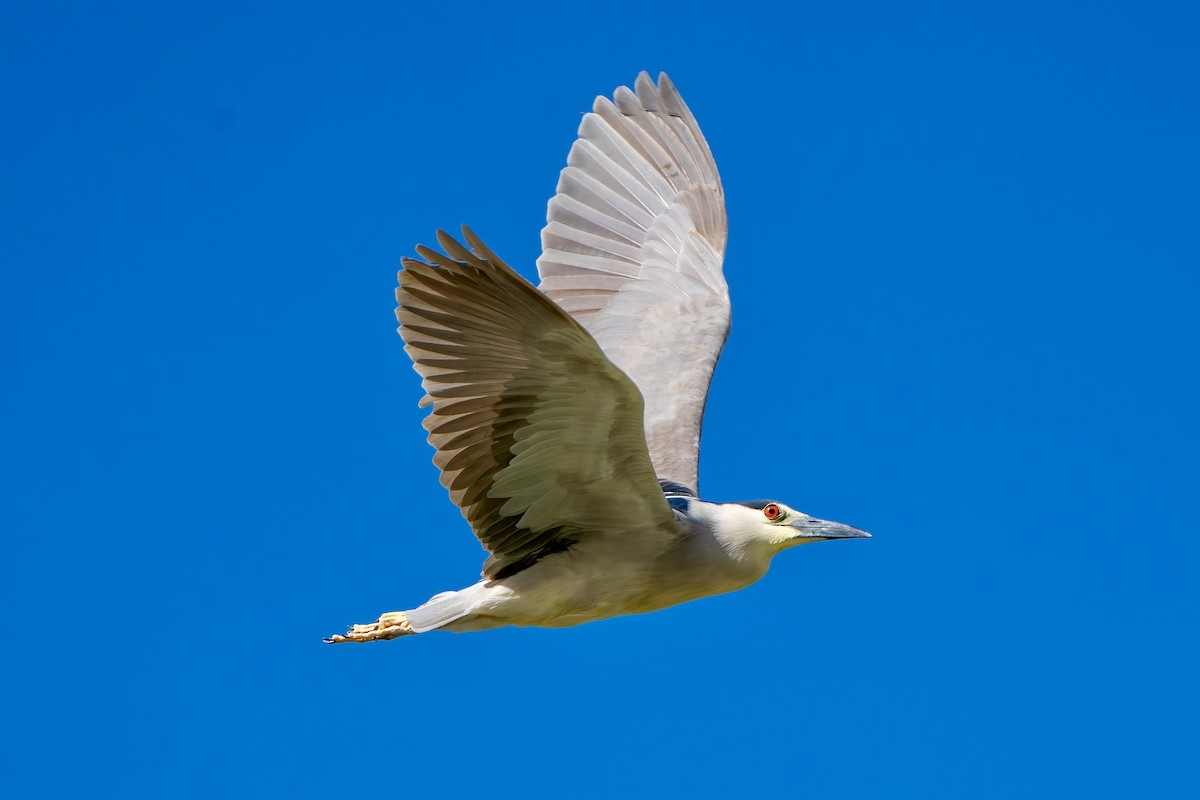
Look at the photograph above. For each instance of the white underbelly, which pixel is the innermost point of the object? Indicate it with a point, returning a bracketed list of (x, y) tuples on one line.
[(562, 594)]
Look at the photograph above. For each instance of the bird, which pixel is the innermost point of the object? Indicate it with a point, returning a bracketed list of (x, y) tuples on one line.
[(566, 417)]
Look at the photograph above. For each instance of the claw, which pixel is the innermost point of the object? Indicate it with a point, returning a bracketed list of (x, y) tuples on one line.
[(388, 626)]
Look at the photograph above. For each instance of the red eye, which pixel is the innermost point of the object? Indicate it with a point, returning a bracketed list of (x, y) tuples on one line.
[(772, 511)]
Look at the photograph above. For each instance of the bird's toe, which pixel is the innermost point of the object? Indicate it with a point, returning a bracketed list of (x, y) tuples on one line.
[(389, 626)]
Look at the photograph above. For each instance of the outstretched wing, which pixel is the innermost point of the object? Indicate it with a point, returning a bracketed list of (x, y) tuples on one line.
[(538, 436), (633, 247)]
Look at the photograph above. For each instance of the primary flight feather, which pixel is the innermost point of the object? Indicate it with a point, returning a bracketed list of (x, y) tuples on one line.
[(566, 418)]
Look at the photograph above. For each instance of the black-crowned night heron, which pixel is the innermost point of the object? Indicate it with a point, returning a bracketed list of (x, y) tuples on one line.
[(566, 417)]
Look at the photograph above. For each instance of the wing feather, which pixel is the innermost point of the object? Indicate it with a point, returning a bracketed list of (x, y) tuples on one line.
[(537, 433), (633, 249)]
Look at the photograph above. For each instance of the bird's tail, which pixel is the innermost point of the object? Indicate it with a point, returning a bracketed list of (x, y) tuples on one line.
[(445, 608)]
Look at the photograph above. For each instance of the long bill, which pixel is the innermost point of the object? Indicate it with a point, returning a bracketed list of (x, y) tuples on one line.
[(813, 528)]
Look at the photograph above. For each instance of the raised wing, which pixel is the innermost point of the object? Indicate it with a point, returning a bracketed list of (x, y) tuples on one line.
[(538, 436), (633, 247)]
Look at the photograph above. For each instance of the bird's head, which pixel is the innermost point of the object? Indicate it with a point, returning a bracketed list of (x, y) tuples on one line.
[(772, 526)]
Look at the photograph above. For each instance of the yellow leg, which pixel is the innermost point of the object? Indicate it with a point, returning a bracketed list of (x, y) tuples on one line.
[(388, 626)]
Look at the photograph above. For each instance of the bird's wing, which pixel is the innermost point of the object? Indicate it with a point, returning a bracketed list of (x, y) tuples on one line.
[(538, 436), (632, 248)]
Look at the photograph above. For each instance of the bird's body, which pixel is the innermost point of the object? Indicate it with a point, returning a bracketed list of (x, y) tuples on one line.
[(566, 418), (604, 577)]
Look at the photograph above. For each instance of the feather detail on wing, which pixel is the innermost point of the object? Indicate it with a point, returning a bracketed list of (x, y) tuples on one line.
[(633, 247), (538, 435)]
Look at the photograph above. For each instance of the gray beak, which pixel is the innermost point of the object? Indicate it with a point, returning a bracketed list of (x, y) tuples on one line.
[(813, 528)]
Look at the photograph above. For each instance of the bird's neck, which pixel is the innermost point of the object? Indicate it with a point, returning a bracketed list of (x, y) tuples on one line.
[(742, 543)]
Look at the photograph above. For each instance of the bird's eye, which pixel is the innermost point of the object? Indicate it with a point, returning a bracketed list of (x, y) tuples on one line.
[(772, 511)]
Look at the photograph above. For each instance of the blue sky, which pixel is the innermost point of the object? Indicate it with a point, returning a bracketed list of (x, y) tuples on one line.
[(963, 260)]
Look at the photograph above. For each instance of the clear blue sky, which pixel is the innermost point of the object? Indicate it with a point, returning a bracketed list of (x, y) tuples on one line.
[(963, 259)]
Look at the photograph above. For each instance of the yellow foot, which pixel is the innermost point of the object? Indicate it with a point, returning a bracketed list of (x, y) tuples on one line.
[(388, 626)]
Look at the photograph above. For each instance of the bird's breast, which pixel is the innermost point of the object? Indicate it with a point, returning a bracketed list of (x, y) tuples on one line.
[(603, 579)]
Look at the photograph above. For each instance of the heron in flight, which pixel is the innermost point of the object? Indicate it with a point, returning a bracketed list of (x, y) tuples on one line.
[(566, 417)]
